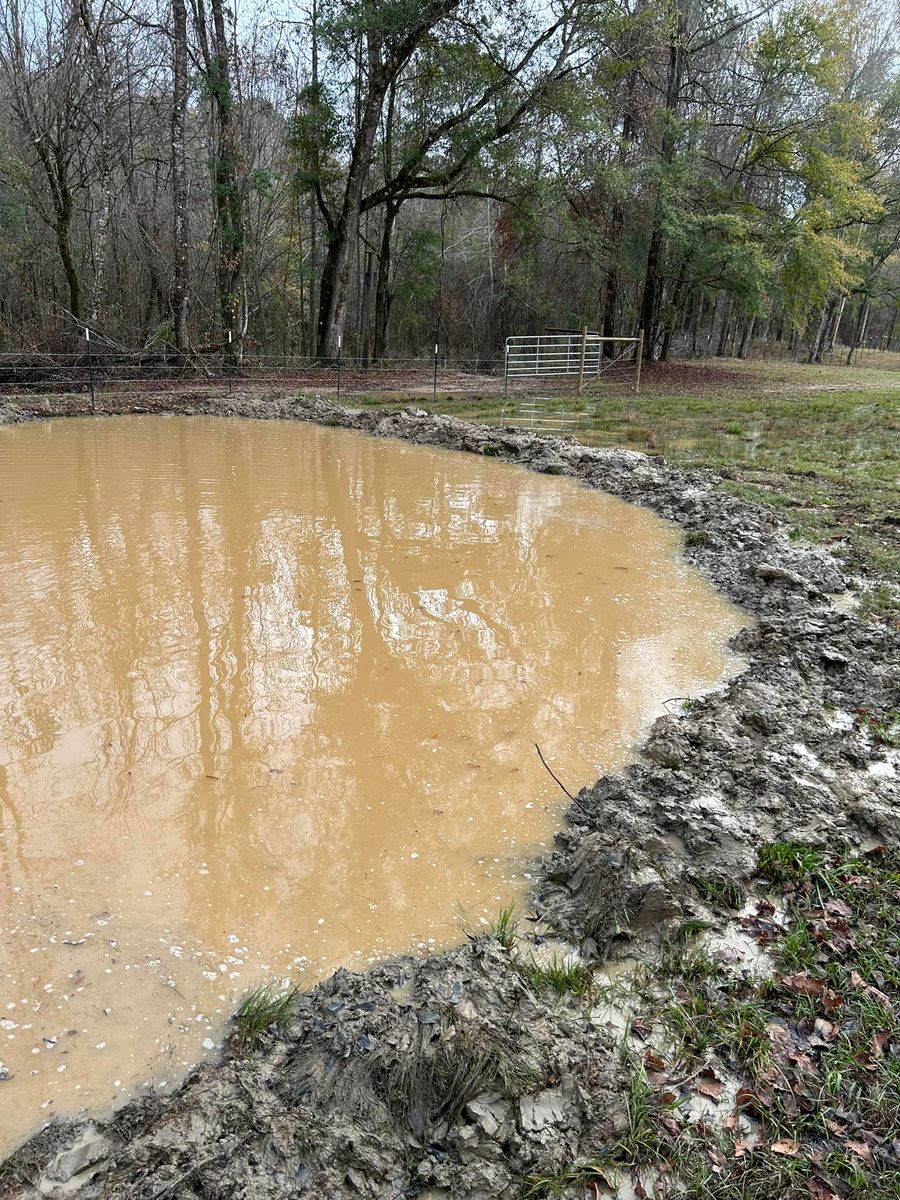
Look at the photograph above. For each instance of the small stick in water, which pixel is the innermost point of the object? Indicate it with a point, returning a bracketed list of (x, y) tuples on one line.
[(552, 776)]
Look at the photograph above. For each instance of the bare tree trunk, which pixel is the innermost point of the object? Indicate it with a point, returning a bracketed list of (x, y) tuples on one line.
[(383, 294), (336, 272), (62, 227), (859, 331), (818, 343), (838, 316), (747, 338), (227, 193), (180, 265), (653, 270), (722, 343)]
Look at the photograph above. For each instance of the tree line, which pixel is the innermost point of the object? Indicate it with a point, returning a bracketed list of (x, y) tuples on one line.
[(370, 177)]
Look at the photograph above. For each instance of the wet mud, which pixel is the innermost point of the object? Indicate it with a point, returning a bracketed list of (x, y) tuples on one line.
[(365, 1093)]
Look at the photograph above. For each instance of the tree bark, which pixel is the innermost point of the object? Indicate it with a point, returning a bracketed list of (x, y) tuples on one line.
[(180, 265), (336, 272), (747, 338), (62, 228), (383, 293), (227, 193), (653, 270)]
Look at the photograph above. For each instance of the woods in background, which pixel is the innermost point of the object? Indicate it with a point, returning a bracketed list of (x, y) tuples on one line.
[(368, 177)]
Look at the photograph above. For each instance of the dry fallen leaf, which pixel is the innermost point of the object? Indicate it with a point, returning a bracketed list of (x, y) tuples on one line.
[(786, 1146), (803, 984), (861, 1150), (711, 1088)]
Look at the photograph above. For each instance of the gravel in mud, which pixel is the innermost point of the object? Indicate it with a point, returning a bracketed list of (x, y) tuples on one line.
[(454, 1076)]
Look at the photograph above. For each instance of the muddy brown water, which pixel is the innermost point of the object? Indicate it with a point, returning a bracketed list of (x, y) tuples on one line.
[(268, 699)]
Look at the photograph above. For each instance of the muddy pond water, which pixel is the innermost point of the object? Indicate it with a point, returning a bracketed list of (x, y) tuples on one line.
[(268, 699)]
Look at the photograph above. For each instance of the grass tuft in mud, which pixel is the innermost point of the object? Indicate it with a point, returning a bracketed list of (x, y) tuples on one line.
[(265, 1010), (432, 1085), (563, 978), (720, 891), (505, 928)]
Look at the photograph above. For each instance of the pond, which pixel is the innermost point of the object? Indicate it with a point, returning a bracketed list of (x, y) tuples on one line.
[(269, 695)]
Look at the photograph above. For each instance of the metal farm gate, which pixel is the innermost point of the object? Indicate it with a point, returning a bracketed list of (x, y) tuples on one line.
[(566, 353)]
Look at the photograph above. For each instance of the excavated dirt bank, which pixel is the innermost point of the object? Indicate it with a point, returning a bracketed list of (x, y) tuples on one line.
[(451, 1076)]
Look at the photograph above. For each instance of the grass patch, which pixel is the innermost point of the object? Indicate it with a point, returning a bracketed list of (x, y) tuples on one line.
[(720, 891), (561, 977), (784, 861), (505, 928), (814, 1052), (265, 1010)]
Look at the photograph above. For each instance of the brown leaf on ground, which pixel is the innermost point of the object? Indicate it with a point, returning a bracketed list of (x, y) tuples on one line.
[(786, 1146), (778, 1034), (825, 1029), (838, 906), (861, 1150), (641, 1028), (803, 984), (710, 1088), (740, 1148), (753, 1102)]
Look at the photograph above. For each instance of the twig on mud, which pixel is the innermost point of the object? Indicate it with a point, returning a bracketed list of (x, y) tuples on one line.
[(555, 778)]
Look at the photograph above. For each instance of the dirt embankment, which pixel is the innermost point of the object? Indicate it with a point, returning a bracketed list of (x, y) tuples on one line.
[(455, 1076)]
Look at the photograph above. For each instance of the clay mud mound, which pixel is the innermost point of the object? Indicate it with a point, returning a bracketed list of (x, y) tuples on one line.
[(453, 1076)]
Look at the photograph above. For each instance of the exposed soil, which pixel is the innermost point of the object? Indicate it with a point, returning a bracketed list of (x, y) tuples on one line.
[(457, 1075)]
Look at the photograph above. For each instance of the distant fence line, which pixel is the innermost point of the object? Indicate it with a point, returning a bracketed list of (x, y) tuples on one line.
[(106, 370), (527, 366)]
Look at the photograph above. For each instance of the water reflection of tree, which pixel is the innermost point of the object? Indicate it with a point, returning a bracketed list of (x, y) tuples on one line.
[(241, 590)]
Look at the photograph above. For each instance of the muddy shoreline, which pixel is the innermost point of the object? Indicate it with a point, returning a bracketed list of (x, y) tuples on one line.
[(451, 1076)]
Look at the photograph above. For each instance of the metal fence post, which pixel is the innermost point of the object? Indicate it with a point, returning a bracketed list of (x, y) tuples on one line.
[(340, 344), (581, 358), (639, 354), (506, 369), (434, 381)]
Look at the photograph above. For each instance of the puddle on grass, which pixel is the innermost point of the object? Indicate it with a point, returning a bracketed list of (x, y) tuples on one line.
[(268, 699)]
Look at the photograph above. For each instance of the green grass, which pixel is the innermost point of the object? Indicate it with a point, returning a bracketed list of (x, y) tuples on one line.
[(813, 1051), (505, 928), (720, 891), (558, 976), (782, 861), (265, 1010)]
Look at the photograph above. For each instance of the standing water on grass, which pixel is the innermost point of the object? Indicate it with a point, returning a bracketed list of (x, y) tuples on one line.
[(269, 695)]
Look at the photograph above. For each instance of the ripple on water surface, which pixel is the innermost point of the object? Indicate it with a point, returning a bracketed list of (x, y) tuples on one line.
[(268, 694)]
